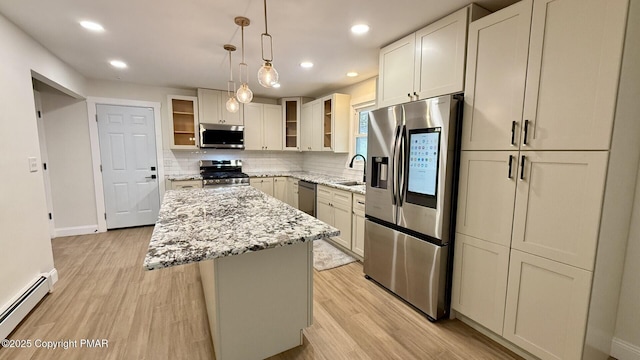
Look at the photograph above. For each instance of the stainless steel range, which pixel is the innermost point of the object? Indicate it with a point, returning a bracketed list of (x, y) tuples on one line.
[(223, 173)]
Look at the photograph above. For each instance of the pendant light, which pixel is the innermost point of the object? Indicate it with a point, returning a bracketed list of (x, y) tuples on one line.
[(232, 104), (267, 75), (244, 94)]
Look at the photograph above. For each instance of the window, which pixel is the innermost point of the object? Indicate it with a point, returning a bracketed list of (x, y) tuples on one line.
[(360, 129)]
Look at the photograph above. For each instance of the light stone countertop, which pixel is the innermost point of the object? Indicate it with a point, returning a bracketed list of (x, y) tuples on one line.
[(322, 179), (202, 224)]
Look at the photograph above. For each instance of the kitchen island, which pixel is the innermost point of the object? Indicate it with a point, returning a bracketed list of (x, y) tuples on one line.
[(256, 264)]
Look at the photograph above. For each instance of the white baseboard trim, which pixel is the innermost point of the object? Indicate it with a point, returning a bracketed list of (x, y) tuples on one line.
[(76, 230), (25, 301), (623, 350)]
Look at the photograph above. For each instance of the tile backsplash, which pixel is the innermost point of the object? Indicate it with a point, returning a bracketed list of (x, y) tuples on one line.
[(185, 162)]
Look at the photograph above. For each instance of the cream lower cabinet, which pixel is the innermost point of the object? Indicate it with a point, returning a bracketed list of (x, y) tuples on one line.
[(280, 188), (547, 305), (264, 184), (334, 208), (357, 225), (292, 192), (480, 286), (545, 203)]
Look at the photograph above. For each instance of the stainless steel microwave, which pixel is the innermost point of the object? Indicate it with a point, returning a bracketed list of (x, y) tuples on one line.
[(219, 136)]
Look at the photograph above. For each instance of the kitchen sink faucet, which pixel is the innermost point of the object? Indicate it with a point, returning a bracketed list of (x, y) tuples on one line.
[(364, 175)]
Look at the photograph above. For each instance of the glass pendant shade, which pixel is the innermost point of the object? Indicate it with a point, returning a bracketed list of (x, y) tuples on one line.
[(244, 94), (232, 105), (267, 75)]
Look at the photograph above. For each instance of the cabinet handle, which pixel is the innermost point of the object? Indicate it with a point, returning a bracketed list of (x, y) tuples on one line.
[(522, 167), (510, 161), (513, 133), (415, 94), (409, 95), (526, 131), (361, 202)]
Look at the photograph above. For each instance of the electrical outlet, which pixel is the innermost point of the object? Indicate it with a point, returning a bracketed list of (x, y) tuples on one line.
[(33, 164)]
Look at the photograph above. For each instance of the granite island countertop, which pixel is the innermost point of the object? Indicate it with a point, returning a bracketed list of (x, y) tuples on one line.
[(202, 224), (316, 178)]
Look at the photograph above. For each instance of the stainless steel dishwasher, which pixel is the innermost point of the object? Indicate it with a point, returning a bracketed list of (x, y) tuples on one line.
[(307, 197)]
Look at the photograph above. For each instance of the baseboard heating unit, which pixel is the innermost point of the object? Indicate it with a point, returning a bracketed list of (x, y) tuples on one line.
[(18, 310)]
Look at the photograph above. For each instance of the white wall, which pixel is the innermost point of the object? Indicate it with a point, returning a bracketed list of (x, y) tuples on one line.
[(24, 235), (627, 329), (70, 166)]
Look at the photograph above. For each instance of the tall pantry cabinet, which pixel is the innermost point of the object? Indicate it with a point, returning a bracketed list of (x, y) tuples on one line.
[(547, 174)]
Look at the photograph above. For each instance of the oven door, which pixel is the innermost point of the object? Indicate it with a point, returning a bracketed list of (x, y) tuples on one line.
[(221, 136)]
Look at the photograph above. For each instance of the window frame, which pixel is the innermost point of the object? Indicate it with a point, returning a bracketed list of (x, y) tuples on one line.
[(358, 163)]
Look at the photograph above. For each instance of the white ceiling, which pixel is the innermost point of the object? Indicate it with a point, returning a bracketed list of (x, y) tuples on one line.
[(178, 43)]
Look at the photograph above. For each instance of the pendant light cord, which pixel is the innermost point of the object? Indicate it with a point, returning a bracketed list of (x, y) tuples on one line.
[(266, 31)]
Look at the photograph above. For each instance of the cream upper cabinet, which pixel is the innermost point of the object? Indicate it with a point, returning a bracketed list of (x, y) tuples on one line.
[(183, 122), (480, 281), (312, 117), (306, 127), (212, 108), (486, 195), (263, 127), (572, 77), (336, 112), (547, 304), (558, 205), (495, 79), (427, 63), (280, 188), (396, 74), (440, 56), (291, 113)]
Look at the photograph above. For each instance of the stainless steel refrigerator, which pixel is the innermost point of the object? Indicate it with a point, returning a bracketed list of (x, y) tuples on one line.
[(412, 171)]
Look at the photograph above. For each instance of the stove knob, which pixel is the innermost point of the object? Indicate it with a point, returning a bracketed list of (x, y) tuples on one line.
[(217, 181)]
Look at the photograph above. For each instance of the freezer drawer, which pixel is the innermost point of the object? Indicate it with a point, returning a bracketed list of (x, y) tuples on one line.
[(413, 269)]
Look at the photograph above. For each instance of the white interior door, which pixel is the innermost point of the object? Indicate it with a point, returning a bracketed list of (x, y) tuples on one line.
[(44, 159), (129, 164)]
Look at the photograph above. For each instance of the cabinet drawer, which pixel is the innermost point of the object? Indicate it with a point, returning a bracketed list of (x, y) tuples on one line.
[(342, 198), (323, 192), (186, 184), (358, 203)]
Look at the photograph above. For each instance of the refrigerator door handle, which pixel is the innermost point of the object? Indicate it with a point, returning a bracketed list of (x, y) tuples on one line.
[(402, 157), (394, 167)]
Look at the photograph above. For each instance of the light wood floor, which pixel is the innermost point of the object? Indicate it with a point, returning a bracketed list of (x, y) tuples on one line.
[(103, 292)]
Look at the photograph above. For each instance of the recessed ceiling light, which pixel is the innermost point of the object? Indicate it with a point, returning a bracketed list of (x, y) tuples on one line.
[(352, 74), (118, 64), (93, 26), (306, 64), (360, 29), (276, 85)]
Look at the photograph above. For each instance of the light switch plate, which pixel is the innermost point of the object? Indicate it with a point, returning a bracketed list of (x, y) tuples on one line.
[(33, 164)]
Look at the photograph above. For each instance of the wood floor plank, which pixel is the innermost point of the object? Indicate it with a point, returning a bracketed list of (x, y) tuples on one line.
[(103, 292)]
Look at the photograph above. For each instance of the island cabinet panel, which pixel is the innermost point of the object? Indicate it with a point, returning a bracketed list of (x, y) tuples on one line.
[(263, 184), (185, 184), (247, 294), (212, 108)]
